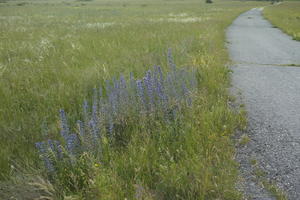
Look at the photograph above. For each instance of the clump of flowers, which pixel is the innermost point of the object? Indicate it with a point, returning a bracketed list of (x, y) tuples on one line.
[(154, 96)]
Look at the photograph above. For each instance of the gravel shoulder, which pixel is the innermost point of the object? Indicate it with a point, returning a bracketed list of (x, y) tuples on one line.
[(268, 85)]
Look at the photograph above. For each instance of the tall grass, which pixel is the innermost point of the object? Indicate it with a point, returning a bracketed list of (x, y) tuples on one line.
[(285, 16), (143, 149), (52, 55)]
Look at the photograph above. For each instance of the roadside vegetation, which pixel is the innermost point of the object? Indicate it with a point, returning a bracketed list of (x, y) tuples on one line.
[(285, 16), (55, 56)]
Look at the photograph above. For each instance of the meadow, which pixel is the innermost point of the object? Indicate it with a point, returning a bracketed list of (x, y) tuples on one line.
[(285, 16), (52, 56)]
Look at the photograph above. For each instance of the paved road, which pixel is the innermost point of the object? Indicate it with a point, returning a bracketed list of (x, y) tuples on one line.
[(271, 92)]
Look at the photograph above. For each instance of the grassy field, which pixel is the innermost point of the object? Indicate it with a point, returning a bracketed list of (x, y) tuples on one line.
[(52, 55), (285, 16)]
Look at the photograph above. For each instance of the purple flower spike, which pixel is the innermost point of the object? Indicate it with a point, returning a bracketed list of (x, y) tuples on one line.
[(112, 97), (95, 129), (59, 151), (161, 76), (140, 91), (48, 164), (56, 148), (52, 144), (185, 90), (123, 82), (72, 143), (64, 124), (160, 93), (123, 92), (111, 127), (149, 86), (41, 146)]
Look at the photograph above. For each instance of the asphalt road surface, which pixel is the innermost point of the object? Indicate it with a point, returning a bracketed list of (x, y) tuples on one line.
[(269, 86)]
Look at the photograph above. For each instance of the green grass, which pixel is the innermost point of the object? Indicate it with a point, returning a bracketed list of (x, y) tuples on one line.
[(270, 186), (244, 140), (53, 53), (285, 16)]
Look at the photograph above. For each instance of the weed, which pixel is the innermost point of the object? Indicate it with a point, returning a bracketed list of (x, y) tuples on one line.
[(259, 173), (253, 162), (274, 190), (245, 139), (268, 185)]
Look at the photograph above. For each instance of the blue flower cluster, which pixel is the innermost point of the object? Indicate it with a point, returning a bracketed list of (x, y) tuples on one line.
[(115, 102)]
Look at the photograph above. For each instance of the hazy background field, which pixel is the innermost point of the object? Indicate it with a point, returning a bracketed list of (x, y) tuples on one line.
[(53, 53)]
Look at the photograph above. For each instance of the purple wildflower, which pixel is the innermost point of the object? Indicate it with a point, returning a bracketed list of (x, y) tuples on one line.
[(42, 148), (85, 111), (111, 127), (122, 82), (112, 97), (55, 148), (161, 76), (161, 93), (64, 124), (149, 86), (140, 91), (95, 129), (153, 91), (123, 92), (52, 144), (72, 143), (171, 86)]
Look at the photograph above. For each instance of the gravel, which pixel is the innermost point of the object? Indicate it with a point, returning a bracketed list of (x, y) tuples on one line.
[(270, 90)]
